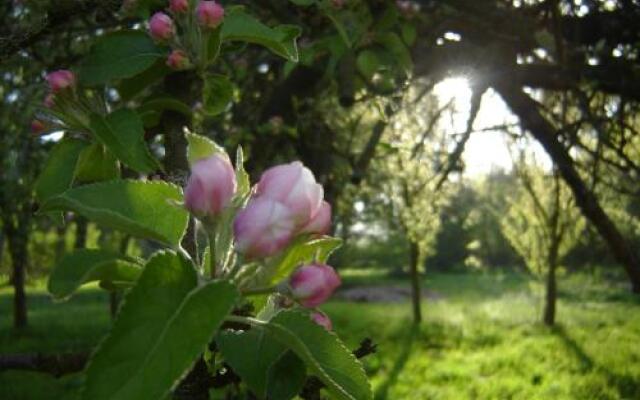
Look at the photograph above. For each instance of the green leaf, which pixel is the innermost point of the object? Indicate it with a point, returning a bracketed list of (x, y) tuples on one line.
[(368, 63), (286, 377), (409, 34), (87, 265), (251, 355), (303, 252), (142, 209), (217, 94), (58, 173), (242, 177), (400, 53), (239, 26), (165, 322), (199, 147), (119, 55), (323, 353), (152, 110), (123, 133), (130, 87), (97, 164)]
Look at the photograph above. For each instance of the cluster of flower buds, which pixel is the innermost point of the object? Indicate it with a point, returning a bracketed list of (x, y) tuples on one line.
[(163, 28), (287, 203), (62, 84)]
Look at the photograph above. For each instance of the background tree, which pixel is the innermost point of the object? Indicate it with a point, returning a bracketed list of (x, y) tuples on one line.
[(543, 225)]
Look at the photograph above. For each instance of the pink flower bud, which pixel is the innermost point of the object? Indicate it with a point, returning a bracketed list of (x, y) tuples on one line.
[(161, 27), (313, 284), (294, 186), (179, 6), (37, 126), (49, 100), (263, 228), (178, 60), (321, 222), (322, 319), (61, 80), (210, 14), (210, 187)]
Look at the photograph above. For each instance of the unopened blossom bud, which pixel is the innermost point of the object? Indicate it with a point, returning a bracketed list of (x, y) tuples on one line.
[(211, 186), (313, 284), (210, 14), (321, 222), (294, 186), (49, 100), (61, 80), (337, 3), (37, 126), (179, 6), (263, 228), (161, 27), (178, 60), (322, 319)]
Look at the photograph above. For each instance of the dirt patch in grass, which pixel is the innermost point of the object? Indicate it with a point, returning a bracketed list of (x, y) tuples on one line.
[(382, 294)]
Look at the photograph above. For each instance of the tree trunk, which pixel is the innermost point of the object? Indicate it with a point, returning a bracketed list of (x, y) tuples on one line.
[(81, 232), (18, 251), (549, 316), (416, 297), (527, 111), (61, 232)]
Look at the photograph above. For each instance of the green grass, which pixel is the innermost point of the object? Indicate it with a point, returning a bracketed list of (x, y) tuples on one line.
[(480, 339)]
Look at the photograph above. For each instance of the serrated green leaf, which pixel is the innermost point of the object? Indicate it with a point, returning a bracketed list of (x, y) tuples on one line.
[(286, 377), (200, 147), (217, 94), (122, 132), (88, 265), (251, 355), (302, 252), (323, 353), (142, 209), (240, 26), (58, 173), (131, 87), (165, 322), (97, 164), (119, 55)]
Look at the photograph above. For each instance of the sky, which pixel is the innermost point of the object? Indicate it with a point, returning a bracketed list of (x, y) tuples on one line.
[(485, 150)]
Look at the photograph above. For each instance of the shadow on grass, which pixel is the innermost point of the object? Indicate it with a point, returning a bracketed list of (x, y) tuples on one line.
[(627, 385), (398, 365)]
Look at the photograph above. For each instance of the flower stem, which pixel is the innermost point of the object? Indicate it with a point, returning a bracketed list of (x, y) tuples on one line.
[(212, 252), (259, 291)]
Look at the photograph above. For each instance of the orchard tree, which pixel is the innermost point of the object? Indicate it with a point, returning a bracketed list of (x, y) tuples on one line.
[(543, 225), (408, 175)]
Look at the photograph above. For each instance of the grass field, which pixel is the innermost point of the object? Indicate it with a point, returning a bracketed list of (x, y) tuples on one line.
[(480, 339)]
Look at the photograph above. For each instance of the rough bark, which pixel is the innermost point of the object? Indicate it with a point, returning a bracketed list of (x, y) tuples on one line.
[(531, 119), (416, 297)]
